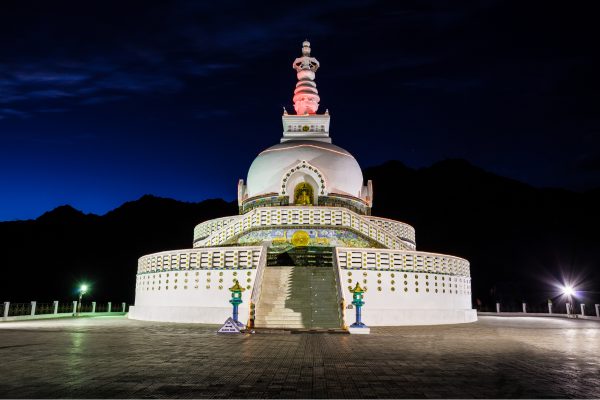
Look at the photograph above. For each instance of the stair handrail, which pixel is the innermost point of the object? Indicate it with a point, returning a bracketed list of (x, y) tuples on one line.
[(257, 288), (340, 291)]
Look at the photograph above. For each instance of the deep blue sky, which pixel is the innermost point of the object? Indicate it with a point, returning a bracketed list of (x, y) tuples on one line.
[(102, 102)]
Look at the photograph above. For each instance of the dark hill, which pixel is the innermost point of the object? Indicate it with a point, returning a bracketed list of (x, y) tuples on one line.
[(518, 238)]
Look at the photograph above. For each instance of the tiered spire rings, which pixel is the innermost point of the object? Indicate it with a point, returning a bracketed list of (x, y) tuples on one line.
[(306, 95)]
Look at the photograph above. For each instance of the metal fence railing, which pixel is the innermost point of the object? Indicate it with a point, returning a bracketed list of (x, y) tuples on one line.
[(8, 309), (18, 309)]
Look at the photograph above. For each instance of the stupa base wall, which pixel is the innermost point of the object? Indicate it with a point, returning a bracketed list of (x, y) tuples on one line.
[(391, 317), (183, 314)]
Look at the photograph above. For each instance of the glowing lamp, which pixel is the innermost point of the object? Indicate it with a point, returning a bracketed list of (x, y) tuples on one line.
[(568, 290)]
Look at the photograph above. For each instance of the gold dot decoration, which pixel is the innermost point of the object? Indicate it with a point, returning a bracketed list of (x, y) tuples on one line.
[(349, 280), (248, 280), (406, 289), (220, 287), (248, 273), (379, 274), (405, 282), (248, 287), (364, 281), (364, 274), (221, 273), (393, 275), (393, 282), (379, 288), (405, 276), (417, 290), (393, 289)]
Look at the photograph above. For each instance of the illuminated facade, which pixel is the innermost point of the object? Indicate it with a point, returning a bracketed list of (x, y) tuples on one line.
[(303, 239)]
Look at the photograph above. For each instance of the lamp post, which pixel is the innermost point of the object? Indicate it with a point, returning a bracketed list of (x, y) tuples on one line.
[(82, 290), (236, 299), (357, 301), (569, 292)]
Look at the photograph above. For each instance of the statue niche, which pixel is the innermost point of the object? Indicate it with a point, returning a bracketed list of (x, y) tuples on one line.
[(303, 194)]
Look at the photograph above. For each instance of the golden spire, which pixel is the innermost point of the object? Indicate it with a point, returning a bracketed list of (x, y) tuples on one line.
[(357, 289), (236, 287)]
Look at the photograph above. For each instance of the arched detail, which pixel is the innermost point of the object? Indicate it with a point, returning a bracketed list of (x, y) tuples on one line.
[(305, 168)]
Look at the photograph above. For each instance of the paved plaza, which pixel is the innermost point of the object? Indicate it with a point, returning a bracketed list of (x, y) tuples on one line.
[(498, 357)]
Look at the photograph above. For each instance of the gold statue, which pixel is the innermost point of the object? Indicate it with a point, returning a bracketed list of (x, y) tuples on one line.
[(303, 195)]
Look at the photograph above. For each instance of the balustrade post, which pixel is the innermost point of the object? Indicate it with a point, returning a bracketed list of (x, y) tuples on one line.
[(7, 306), (582, 309), (498, 308), (549, 308), (74, 307), (93, 306), (525, 308), (56, 307), (109, 306), (568, 308), (33, 304), (123, 306), (597, 310)]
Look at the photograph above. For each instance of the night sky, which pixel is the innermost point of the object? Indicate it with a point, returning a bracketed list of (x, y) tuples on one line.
[(102, 102)]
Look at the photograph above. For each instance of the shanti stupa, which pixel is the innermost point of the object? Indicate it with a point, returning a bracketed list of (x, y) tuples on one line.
[(303, 238)]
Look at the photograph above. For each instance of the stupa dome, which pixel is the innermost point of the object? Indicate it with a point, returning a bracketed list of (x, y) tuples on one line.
[(338, 168)]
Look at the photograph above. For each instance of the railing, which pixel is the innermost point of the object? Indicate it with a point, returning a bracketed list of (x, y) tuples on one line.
[(33, 309), (397, 228), (44, 308), (537, 309), (17, 309), (401, 260), (302, 216), (243, 257), (257, 288)]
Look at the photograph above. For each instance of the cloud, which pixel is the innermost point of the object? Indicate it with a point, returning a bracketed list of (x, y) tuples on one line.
[(10, 112)]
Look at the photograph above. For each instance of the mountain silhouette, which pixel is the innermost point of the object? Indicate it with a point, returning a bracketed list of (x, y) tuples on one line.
[(521, 241)]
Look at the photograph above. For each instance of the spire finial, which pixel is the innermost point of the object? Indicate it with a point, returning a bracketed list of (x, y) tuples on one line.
[(306, 95)]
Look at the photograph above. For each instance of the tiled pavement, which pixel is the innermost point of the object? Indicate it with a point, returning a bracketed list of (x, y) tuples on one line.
[(116, 357)]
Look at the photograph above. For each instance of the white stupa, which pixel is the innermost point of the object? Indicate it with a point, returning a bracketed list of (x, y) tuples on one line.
[(302, 241)]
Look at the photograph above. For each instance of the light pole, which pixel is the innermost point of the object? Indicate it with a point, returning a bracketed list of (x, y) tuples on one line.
[(236, 299), (82, 290), (569, 292), (357, 300)]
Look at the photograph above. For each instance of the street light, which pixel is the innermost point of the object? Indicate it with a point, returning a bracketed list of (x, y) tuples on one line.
[(569, 291), (82, 290)]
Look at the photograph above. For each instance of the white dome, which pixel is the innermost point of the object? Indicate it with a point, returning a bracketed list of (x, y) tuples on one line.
[(340, 171)]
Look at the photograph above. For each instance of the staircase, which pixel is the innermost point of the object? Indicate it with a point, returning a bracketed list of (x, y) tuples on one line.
[(299, 296)]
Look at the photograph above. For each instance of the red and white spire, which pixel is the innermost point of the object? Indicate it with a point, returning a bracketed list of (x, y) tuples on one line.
[(306, 95)]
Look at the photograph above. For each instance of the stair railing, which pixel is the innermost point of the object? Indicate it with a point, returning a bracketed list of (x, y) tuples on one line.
[(256, 289), (340, 291)]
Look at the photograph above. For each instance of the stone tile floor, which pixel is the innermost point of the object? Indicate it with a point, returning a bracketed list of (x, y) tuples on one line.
[(497, 357)]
